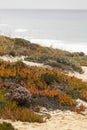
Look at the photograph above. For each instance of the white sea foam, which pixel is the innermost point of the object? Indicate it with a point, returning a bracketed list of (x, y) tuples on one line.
[(69, 46), (20, 30)]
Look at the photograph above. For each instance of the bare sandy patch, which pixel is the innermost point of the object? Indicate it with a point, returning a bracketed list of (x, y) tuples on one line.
[(82, 76), (60, 120)]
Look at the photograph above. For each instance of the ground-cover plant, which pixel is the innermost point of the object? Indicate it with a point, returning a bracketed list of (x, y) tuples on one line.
[(6, 126), (53, 84), (39, 78)]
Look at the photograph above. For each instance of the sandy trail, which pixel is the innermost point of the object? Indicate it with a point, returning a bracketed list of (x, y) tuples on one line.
[(21, 58), (60, 120)]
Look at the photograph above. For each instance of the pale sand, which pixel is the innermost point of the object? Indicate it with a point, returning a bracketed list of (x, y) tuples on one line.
[(17, 58), (60, 120), (82, 76), (21, 58)]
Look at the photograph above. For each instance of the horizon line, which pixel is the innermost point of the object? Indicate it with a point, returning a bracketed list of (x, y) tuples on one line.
[(40, 9)]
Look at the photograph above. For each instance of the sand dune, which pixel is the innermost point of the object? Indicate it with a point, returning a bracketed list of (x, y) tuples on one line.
[(60, 120)]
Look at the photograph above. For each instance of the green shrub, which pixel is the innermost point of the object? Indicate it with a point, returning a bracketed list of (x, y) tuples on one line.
[(21, 42), (49, 78), (2, 98), (2, 103), (12, 53), (6, 126)]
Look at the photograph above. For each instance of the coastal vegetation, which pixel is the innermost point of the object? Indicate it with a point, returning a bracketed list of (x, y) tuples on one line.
[(29, 87), (25, 89), (56, 58), (6, 126)]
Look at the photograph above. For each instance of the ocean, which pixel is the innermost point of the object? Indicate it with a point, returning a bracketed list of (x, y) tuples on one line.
[(64, 29)]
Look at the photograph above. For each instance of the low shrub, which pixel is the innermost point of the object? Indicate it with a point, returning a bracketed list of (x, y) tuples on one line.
[(49, 78), (21, 42), (6, 126), (14, 112), (19, 94), (12, 53)]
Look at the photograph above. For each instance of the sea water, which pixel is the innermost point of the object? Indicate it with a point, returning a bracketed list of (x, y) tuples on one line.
[(64, 29)]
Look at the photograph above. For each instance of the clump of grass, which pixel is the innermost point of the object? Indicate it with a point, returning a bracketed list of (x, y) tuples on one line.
[(6, 126), (14, 112), (2, 98)]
